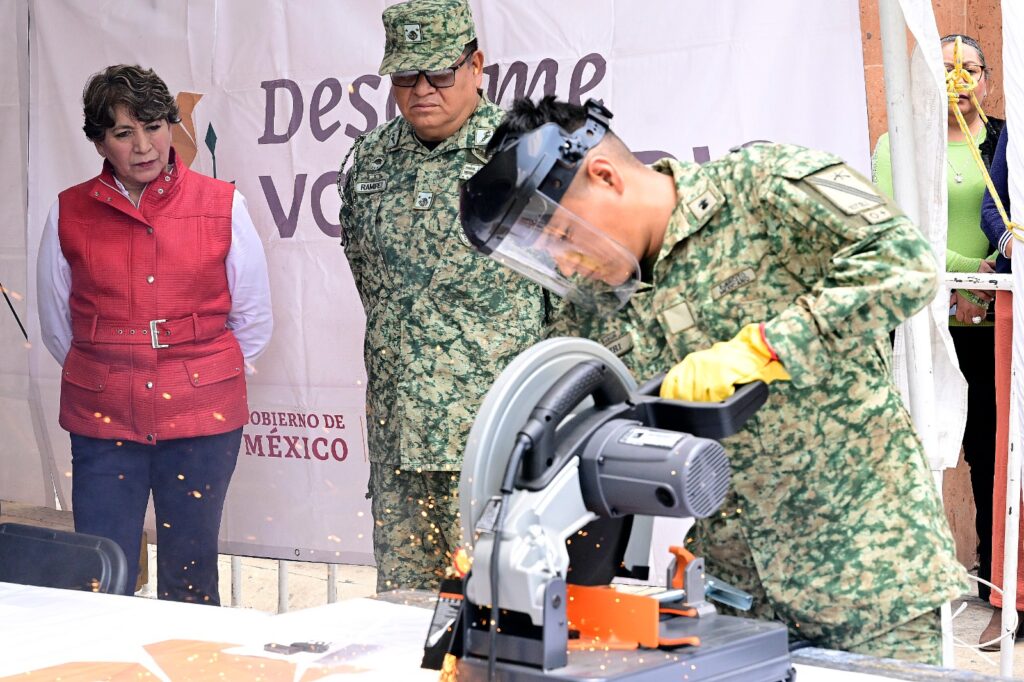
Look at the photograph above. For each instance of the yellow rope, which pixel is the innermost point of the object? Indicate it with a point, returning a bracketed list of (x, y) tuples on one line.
[(958, 82)]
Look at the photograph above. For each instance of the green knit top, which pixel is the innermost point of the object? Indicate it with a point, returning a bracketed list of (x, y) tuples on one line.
[(966, 244)]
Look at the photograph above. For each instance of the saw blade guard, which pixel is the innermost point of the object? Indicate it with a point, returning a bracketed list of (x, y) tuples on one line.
[(505, 409), (540, 520)]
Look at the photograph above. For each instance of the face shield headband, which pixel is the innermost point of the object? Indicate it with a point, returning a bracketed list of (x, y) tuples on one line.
[(510, 211), (543, 160)]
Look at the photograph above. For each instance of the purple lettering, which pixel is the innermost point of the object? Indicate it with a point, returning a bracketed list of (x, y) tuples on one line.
[(273, 444), (293, 450), (270, 111), (316, 449), (328, 179), (334, 449), (362, 106), (317, 108), (517, 74), (285, 223), (253, 444), (576, 86)]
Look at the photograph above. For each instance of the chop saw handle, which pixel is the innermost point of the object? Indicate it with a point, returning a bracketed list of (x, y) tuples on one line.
[(708, 420), (588, 378), (652, 387)]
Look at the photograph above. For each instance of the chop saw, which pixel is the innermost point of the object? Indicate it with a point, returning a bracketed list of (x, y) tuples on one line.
[(566, 465)]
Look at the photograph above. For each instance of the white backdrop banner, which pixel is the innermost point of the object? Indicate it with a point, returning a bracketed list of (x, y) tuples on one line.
[(272, 95), (21, 474)]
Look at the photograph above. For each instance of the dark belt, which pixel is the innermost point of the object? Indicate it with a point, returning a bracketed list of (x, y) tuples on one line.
[(155, 333)]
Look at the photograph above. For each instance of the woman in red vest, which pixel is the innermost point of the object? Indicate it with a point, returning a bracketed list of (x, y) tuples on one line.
[(153, 296)]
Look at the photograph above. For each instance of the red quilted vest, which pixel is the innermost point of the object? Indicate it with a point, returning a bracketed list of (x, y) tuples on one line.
[(151, 356)]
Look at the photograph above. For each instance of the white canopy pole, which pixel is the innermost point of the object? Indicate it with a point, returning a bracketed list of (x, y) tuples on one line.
[(896, 65), (1013, 83), (1013, 63), (1013, 490)]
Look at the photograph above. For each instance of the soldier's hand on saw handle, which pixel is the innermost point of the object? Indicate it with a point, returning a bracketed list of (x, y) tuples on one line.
[(712, 374)]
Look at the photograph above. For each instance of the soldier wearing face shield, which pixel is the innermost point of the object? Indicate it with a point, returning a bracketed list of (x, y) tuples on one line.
[(775, 263)]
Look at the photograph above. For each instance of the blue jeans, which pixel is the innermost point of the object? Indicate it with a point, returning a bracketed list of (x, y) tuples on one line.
[(110, 486)]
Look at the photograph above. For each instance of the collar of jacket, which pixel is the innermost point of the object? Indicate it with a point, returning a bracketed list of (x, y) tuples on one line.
[(105, 190), (698, 200), (464, 138)]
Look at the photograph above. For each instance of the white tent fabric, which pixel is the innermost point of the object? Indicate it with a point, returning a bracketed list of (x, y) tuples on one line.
[(20, 466), (1013, 87), (942, 429), (928, 374)]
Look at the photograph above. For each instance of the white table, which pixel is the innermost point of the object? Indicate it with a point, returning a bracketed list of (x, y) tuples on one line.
[(41, 628)]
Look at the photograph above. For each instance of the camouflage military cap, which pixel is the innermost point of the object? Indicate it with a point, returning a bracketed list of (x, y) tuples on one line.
[(425, 34)]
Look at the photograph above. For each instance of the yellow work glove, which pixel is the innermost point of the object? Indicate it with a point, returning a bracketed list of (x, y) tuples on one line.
[(712, 374)]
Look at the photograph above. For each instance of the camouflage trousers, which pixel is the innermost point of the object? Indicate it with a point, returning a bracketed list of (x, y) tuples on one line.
[(415, 525), (918, 640), (721, 542)]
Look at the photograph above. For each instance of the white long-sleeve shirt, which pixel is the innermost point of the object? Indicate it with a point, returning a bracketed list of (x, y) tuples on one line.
[(250, 317)]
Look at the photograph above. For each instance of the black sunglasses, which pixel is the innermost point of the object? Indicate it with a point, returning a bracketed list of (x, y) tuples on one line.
[(442, 78)]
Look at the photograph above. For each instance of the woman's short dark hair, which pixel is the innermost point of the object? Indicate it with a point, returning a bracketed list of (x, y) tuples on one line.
[(143, 93)]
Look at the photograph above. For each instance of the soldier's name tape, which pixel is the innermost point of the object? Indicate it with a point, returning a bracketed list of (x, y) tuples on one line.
[(370, 186)]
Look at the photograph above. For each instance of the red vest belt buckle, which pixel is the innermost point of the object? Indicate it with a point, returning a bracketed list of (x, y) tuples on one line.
[(154, 334)]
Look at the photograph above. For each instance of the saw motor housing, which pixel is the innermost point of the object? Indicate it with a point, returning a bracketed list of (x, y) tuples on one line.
[(629, 468), (628, 453)]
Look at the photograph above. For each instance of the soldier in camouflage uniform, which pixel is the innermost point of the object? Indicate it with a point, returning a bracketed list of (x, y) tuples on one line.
[(442, 321), (774, 263)]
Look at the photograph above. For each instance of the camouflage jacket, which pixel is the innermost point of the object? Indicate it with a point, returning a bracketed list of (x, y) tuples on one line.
[(831, 490), (442, 321)]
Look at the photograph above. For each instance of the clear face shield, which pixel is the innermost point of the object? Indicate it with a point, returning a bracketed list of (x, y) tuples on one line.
[(567, 255), (510, 211)]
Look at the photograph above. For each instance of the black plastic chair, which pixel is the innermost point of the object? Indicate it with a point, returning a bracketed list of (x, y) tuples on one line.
[(43, 557)]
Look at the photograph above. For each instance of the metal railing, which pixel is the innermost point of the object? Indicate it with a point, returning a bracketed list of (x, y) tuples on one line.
[(282, 583)]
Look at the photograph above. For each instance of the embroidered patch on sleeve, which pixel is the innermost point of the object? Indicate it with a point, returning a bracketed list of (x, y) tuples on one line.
[(846, 190)]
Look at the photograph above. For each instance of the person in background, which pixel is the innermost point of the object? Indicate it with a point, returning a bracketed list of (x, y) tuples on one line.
[(441, 320), (968, 250), (153, 295), (1002, 240)]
